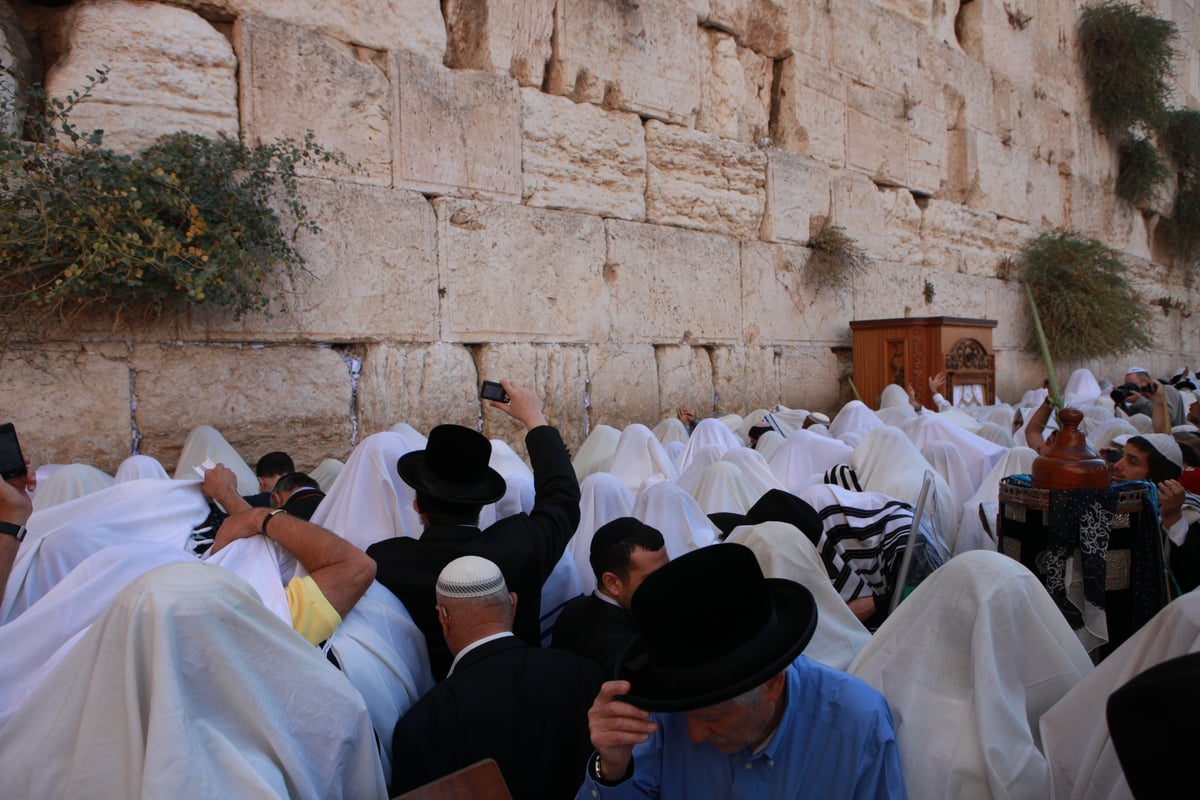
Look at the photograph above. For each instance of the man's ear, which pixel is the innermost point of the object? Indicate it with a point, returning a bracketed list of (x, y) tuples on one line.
[(774, 686), (612, 583)]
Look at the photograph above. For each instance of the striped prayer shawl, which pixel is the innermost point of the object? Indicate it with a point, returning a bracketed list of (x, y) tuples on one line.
[(862, 547)]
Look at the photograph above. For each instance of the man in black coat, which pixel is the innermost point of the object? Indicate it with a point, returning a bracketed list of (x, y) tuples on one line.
[(524, 706), (453, 482)]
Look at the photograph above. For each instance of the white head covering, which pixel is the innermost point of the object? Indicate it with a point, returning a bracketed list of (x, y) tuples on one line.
[(704, 458), (136, 467), (603, 498), (1034, 398), (674, 451), (968, 664), (1142, 422), (971, 532), (755, 469), (70, 482), (1094, 418), (204, 443), (369, 502), (896, 415), (723, 488), (978, 454), (671, 430), (948, 461), (854, 417), (1104, 436), (895, 396), (468, 577), (1001, 414), (639, 455), (959, 418), (1075, 736), (786, 420), (1166, 446), (768, 443), (596, 452), (804, 457), (326, 473), (784, 552), (736, 426), (708, 433), (1081, 389), (518, 479), (996, 434), (175, 704), (674, 513)]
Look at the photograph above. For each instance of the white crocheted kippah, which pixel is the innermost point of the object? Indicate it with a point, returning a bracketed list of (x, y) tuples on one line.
[(470, 576), (1167, 447)]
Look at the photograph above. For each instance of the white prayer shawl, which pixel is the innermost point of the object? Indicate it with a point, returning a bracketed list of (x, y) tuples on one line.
[(723, 488), (754, 468), (972, 535), (996, 434), (261, 562), (674, 451), (978, 454), (895, 396), (888, 462), (854, 417), (369, 502), (326, 473), (959, 418), (136, 467), (639, 455), (1033, 398), (1081, 388), (63, 536), (596, 452), (783, 551), (1095, 418), (667, 508), (948, 461), (768, 443), (786, 420), (70, 482), (671, 430), (852, 439), (1083, 763), (414, 437), (187, 686), (968, 664), (707, 433), (1142, 422), (804, 457), (205, 443), (753, 418), (518, 478), (736, 425), (701, 461), (1001, 414), (603, 498), (1103, 437), (896, 416)]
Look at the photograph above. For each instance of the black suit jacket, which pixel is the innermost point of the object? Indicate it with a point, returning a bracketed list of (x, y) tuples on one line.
[(594, 629), (526, 547), (524, 706)]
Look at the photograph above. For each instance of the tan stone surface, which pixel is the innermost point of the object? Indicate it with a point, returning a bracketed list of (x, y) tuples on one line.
[(513, 273), (685, 375), (169, 70), (695, 180), (810, 378), (500, 36), (294, 398), (69, 403), (799, 197), (780, 303), (745, 378), (891, 289), (960, 239), (671, 285), (885, 222), (579, 157), (557, 374), (632, 56), (812, 112), (735, 89), (456, 132), (761, 25), (622, 384), (293, 81), (423, 385), (874, 48), (372, 272)]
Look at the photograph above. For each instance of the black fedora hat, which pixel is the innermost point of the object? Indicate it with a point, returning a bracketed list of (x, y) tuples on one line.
[(710, 628), (453, 467)]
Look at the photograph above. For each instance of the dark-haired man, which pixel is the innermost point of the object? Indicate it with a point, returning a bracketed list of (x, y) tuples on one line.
[(599, 626), (269, 469), (297, 494)]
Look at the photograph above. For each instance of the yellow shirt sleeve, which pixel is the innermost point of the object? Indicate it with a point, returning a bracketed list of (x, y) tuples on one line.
[(312, 616)]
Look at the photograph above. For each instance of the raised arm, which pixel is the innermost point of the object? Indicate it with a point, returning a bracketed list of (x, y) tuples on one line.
[(15, 508)]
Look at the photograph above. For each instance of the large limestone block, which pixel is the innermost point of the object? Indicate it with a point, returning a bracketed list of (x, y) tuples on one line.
[(956, 238), (761, 25), (377, 24), (423, 385), (559, 376), (293, 81), (638, 57), (579, 157), (780, 303), (457, 132), (670, 284), (685, 376), (622, 385), (875, 48), (1004, 301), (370, 273), (695, 180), (876, 134), (954, 294), (735, 89), (506, 37), (294, 398), (1091, 207), (883, 221), (799, 197), (915, 11), (999, 41), (513, 273), (988, 172), (811, 119), (891, 289), (745, 378), (810, 377), (1017, 372), (69, 403), (169, 70)]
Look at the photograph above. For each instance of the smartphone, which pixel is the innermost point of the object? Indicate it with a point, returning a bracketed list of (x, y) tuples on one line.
[(493, 391), (12, 462)]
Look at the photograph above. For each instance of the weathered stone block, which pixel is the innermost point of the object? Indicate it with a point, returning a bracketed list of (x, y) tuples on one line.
[(799, 197), (885, 222), (915, 11), (875, 137), (513, 273), (960, 239), (69, 403), (512, 38), (423, 385), (457, 132), (745, 378), (812, 112), (622, 384), (735, 89), (671, 285), (810, 378), (695, 180), (1004, 301), (684, 376), (294, 398), (988, 173), (885, 50), (633, 56), (579, 157), (890, 289), (371, 272), (954, 294), (780, 305), (557, 374), (169, 70), (761, 25), (293, 81)]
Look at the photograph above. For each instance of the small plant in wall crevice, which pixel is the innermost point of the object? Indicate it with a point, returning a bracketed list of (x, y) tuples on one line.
[(836, 258)]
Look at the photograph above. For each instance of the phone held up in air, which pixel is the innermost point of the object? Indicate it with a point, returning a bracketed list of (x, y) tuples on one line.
[(12, 462), (493, 391)]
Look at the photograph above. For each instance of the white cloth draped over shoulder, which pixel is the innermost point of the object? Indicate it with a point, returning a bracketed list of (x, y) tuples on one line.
[(896, 416), (804, 457), (854, 417), (1083, 763), (985, 503), (187, 686), (671, 430), (978, 455), (369, 502), (1102, 435), (205, 443), (755, 469), (676, 515), (639, 456), (135, 467), (518, 479), (70, 482), (1081, 388), (723, 488), (708, 433), (783, 551), (769, 443), (968, 664), (701, 461), (786, 420), (895, 396), (948, 461), (596, 452), (603, 498), (996, 434), (326, 473)]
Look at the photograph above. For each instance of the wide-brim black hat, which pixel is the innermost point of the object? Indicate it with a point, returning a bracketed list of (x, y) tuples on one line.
[(453, 467), (710, 628)]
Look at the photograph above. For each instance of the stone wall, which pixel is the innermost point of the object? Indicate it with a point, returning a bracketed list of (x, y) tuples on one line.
[(606, 199)]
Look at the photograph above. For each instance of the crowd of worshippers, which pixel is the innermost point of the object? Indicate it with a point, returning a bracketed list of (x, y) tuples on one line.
[(710, 608)]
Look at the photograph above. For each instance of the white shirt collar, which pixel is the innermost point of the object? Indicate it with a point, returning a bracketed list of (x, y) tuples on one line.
[(472, 646)]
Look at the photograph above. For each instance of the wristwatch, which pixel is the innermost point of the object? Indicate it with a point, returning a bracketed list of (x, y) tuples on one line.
[(268, 517), (14, 530)]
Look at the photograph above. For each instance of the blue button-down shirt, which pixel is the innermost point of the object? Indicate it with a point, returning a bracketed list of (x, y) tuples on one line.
[(835, 740)]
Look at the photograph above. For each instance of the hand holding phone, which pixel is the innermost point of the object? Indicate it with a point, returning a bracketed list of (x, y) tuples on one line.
[(12, 461), (493, 391)]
